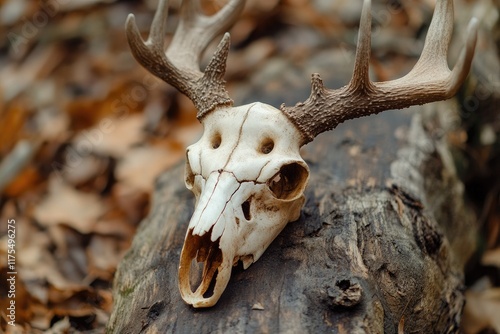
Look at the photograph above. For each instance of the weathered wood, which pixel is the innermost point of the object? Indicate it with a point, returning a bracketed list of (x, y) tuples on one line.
[(381, 243)]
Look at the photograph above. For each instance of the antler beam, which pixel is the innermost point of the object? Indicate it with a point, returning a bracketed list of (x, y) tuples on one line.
[(430, 79), (179, 64)]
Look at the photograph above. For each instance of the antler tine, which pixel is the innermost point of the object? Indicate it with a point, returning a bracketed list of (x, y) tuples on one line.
[(360, 78), (196, 31), (179, 64), (430, 79)]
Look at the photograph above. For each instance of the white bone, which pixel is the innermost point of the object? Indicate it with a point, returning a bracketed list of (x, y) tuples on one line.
[(233, 170)]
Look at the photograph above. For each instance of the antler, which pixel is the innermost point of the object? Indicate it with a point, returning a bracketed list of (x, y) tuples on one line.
[(430, 79), (179, 64)]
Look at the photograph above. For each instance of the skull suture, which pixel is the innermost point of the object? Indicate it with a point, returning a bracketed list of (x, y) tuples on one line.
[(248, 178)]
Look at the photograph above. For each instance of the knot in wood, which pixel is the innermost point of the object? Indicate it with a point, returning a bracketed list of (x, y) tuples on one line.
[(345, 293)]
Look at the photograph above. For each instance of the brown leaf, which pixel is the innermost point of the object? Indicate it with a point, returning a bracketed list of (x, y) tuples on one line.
[(65, 205), (131, 206), (38, 264), (481, 311), (111, 136), (11, 122), (82, 112), (78, 305), (15, 79), (491, 258), (142, 165), (104, 253), (62, 326), (23, 182), (118, 228)]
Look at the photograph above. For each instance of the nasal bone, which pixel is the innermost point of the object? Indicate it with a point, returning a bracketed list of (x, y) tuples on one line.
[(212, 210)]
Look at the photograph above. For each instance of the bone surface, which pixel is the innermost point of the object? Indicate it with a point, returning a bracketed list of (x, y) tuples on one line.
[(248, 178)]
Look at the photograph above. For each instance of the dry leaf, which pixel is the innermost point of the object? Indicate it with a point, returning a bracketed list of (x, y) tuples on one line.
[(15, 79), (65, 205), (131, 204), (38, 267), (491, 258), (111, 136), (118, 228), (143, 165), (62, 326), (23, 182), (482, 311), (87, 169), (11, 122), (104, 253), (15, 330)]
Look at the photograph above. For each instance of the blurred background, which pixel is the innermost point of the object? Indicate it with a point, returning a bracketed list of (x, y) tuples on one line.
[(84, 132)]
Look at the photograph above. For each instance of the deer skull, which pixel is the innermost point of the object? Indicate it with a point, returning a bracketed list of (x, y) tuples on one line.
[(248, 178), (246, 171)]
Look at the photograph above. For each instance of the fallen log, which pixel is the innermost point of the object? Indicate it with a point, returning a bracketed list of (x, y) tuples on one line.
[(379, 248)]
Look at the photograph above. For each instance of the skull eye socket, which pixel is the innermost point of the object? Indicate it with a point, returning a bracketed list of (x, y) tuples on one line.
[(289, 182), (267, 146), (216, 140)]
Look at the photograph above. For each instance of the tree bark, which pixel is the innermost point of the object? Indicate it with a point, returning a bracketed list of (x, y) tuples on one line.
[(379, 248)]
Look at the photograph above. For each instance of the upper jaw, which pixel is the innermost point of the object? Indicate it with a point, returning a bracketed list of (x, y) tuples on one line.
[(212, 238)]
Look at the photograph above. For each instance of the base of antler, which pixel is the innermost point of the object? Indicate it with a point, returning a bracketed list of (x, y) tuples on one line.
[(367, 254)]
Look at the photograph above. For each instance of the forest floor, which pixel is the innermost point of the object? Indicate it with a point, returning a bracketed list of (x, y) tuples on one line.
[(85, 131)]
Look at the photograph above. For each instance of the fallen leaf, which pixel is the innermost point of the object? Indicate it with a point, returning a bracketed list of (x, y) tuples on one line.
[(491, 258), (115, 227), (42, 317), (62, 326), (111, 136), (78, 305), (131, 206), (23, 182), (88, 168), (104, 254), (15, 330), (481, 311), (39, 267), (11, 122), (143, 165), (65, 205)]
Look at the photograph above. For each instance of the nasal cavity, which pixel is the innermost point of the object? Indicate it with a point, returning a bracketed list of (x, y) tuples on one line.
[(246, 209)]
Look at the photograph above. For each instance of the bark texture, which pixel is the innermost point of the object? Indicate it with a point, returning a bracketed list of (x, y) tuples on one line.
[(380, 245)]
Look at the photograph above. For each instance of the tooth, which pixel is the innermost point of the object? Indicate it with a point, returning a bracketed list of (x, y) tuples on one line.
[(247, 260)]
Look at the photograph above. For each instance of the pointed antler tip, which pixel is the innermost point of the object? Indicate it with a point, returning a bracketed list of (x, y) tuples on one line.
[(473, 27), (472, 30), (217, 65), (366, 10), (130, 20), (132, 31), (317, 86), (225, 42), (316, 78)]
